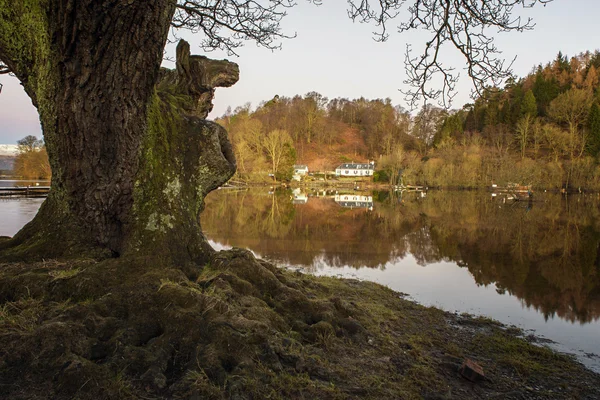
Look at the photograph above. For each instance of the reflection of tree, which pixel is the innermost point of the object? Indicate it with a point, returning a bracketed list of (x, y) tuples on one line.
[(546, 253), (319, 230), (276, 219), (422, 247), (251, 215)]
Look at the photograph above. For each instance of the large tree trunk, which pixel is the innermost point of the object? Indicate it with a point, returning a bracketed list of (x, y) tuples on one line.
[(131, 162)]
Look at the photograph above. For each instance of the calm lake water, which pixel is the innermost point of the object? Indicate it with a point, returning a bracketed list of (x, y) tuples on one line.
[(12, 183), (14, 212), (535, 264)]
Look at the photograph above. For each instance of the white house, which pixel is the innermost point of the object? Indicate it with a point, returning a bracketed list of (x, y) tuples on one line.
[(300, 170), (355, 169)]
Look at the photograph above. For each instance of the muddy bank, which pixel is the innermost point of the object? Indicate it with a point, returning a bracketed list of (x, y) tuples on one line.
[(240, 328)]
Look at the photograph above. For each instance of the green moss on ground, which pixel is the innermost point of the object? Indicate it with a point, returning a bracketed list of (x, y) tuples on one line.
[(242, 328)]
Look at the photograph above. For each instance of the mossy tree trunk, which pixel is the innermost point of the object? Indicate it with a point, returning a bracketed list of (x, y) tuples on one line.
[(129, 169)]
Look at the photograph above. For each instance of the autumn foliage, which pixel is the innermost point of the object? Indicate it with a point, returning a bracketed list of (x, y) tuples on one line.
[(32, 160), (543, 129)]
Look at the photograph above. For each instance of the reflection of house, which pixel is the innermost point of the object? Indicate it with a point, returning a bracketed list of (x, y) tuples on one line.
[(355, 169), (354, 201), (299, 197), (300, 170)]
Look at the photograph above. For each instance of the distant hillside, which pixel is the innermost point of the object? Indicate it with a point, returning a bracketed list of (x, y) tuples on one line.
[(8, 154), (7, 163), (9, 150), (315, 131), (554, 111), (543, 130), (349, 147)]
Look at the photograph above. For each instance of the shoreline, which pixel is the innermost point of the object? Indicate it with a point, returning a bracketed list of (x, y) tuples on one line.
[(365, 185)]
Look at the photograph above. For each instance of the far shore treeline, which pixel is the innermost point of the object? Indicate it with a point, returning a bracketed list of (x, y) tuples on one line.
[(30, 162), (542, 130)]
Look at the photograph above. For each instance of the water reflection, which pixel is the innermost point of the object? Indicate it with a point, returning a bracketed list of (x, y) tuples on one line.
[(20, 182), (545, 252), (15, 213), (349, 200)]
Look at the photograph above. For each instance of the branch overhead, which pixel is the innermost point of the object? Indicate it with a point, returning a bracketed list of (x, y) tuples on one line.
[(466, 25), (226, 24)]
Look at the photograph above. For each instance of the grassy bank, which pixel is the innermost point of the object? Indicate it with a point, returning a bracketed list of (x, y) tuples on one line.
[(241, 328)]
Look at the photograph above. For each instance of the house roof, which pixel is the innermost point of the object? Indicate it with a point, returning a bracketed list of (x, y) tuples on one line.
[(300, 166), (356, 166)]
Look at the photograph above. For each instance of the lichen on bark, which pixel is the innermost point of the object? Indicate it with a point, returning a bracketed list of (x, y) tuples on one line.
[(184, 157)]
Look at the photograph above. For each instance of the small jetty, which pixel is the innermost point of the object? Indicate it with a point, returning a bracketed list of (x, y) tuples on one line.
[(24, 191)]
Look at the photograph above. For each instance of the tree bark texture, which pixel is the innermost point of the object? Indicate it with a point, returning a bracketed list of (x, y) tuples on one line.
[(127, 156), (184, 157)]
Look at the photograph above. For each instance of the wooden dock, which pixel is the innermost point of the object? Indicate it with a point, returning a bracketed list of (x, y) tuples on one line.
[(24, 191)]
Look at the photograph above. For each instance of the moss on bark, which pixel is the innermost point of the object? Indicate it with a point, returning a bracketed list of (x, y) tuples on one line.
[(80, 78), (184, 157)]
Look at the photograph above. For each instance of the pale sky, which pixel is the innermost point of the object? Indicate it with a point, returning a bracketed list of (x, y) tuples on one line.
[(338, 58)]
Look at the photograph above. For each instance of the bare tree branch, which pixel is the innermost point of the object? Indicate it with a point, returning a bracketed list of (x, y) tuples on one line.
[(466, 25), (226, 24)]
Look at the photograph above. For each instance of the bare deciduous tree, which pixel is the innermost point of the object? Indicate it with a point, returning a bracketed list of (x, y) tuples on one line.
[(523, 133), (572, 108), (466, 25), (278, 145)]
